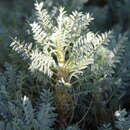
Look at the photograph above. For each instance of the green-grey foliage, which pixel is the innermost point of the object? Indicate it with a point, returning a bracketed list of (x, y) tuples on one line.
[(105, 127), (16, 109), (123, 120)]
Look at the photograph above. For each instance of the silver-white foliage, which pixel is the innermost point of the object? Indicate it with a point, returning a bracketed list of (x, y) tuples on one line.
[(107, 57), (62, 43)]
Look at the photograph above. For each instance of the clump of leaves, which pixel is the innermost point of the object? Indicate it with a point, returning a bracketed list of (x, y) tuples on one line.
[(68, 58)]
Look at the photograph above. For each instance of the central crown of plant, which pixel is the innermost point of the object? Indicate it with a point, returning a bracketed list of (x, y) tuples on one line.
[(64, 46)]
